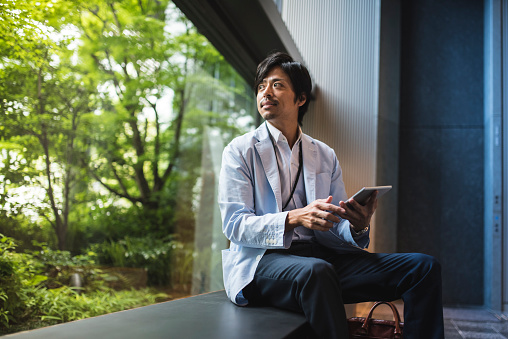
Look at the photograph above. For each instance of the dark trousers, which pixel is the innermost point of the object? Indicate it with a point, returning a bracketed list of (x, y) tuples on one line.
[(317, 281)]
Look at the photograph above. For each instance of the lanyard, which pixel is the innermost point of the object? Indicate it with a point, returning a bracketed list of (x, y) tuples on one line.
[(300, 165)]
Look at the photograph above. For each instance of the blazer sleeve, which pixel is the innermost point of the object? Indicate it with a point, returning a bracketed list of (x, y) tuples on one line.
[(248, 221)]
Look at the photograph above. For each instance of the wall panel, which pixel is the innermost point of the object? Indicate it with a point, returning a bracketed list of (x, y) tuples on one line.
[(339, 41)]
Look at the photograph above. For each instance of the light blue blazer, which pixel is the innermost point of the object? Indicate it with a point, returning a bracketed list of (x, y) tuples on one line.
[(251, 204)]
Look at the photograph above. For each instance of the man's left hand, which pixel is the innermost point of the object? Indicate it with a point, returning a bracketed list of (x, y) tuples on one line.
[(358, 215)]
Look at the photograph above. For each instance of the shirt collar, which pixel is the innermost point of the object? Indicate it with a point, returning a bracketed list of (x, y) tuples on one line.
[(278, 136)]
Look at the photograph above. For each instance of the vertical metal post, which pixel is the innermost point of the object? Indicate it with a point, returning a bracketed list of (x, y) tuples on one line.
[(494, 206), (504, 140)]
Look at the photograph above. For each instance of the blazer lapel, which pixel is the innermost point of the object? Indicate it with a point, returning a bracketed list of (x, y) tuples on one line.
[(309, 168), (265, 150)]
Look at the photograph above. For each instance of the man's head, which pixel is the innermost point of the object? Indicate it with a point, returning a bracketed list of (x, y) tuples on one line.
[(298, 75)]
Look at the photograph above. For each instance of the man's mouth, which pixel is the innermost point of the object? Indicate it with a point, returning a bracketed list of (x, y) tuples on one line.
[(269, 103)]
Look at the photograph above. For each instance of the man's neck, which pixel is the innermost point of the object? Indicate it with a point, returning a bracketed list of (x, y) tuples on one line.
[(289, 130)]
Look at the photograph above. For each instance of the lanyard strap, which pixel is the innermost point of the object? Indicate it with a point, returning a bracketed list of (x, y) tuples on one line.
[(300, 165)]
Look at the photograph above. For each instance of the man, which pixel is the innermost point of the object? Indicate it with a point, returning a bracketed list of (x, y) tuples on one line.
[(295, 243)]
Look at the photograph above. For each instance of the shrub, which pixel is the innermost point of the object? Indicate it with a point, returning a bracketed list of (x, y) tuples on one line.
[(16, 272), (152, 254), (33, 290), (63, 304)]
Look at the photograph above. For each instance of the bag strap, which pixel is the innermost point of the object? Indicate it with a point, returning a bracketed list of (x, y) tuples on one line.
[(396, 316)]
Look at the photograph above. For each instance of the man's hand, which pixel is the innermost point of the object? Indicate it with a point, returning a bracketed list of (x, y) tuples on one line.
[(318, 215), (359, 216)]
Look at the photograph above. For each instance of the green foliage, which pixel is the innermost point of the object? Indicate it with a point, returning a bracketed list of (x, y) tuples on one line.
[(99, 222), (116, 93), (59, 266), (43, 101), (63, 304), (103, 110), (9, 299), (155, 255), (52, 306), (34, 289), (25, 232), (20, 36), (18, 279), (139, 143)]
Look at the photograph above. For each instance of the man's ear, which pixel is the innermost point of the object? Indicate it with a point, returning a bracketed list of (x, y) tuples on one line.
[(302, 99)]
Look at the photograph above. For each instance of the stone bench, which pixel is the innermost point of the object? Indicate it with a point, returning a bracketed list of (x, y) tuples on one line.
[(207, 316)]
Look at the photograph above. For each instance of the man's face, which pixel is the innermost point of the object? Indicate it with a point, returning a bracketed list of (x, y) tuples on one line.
[(276, 98)]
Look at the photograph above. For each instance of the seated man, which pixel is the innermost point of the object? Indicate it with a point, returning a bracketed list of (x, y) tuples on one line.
[(295, 243)]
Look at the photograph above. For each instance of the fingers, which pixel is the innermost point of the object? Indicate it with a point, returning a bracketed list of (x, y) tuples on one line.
[(357, 214), (328, 200), (320, 215), (370, 204), (326, 205), (354, 205), (321, 225), (316, 223), (353, 210)]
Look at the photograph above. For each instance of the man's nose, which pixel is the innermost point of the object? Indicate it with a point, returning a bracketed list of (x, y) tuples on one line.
[(267, 91)]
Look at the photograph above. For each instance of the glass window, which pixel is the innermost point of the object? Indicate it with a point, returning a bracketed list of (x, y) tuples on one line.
[(113, 116)]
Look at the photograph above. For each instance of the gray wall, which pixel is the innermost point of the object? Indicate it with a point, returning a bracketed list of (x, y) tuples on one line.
[(441, 141), (338, 42)]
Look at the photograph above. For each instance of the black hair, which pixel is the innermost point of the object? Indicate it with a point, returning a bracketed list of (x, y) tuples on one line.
[(297, 73)]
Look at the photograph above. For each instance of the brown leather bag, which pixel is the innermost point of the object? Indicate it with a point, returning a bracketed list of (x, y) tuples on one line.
[(376, 328)]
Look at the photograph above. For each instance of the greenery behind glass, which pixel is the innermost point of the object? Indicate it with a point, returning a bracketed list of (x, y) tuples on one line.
[(103, 109)]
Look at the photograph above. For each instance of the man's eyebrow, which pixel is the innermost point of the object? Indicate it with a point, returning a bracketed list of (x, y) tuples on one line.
[(274, 79)]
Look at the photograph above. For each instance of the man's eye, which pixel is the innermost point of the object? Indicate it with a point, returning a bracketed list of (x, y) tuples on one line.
[(261, 86)]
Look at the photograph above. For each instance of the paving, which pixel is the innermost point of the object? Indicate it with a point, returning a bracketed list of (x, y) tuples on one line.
[(475, 323)]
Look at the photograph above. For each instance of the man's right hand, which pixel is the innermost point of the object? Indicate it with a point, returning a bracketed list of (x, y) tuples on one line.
[(318, 215)]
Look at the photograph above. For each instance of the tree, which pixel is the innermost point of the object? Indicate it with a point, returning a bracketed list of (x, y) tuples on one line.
[(116, 92), (43, 102), (20, 34), (138, 143)]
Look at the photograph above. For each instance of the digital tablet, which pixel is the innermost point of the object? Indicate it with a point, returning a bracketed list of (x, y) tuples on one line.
[(363, 195)]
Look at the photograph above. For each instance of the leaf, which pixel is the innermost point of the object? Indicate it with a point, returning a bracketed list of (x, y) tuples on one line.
[(10, 145), (37, 279), (50, 317)]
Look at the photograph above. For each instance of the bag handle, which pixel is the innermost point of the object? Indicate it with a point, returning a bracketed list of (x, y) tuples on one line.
[(396, 316)]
